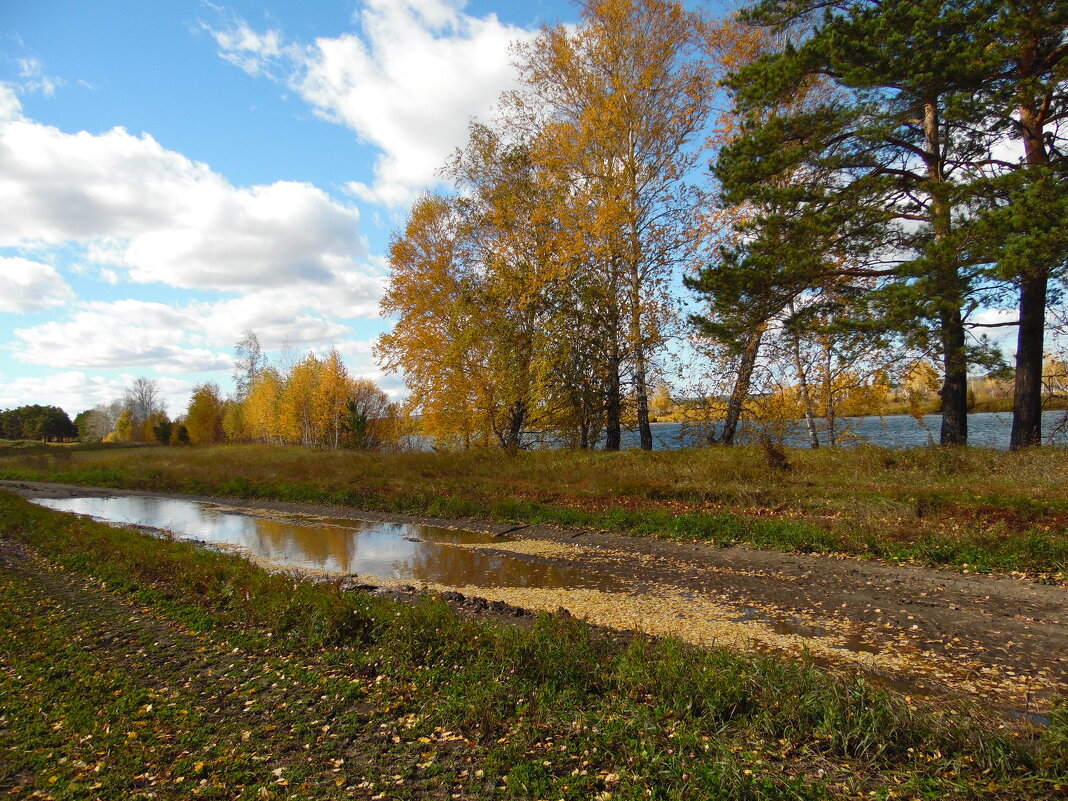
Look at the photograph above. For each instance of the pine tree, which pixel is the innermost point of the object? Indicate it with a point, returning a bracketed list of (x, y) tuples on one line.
[(868, 190)]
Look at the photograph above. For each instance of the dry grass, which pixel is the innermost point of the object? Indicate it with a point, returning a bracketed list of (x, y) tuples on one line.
[(986, 509)]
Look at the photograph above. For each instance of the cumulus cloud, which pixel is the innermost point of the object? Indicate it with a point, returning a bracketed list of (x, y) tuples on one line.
[(408, 82), (29, 286), (74, 391), (10, 107), (119, 335), (195, 337), (159, 217)]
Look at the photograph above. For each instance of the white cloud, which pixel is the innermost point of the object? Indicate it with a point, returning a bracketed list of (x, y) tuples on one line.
[(196, 337), (74, 391), (28, 286), (276, 317), (1002, 335), (121, 335), (245, 48), (408, 83), (32, 73), (159, 217), (10, 107)]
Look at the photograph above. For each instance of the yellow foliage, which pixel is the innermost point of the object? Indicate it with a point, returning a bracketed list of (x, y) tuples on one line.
[(124, 427), (332, 392), (261, 407), (296, 410), (204, 417)]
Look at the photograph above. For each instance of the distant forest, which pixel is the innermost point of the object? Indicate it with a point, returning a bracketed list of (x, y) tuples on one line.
[(45, 423)]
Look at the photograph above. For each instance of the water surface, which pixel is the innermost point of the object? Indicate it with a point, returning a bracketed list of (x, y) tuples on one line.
[(985, 430), (405, 552)]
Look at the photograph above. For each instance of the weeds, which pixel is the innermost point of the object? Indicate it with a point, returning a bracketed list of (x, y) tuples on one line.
[(548, 712), (986, 510)]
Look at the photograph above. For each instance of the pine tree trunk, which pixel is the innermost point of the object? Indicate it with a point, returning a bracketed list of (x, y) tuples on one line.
[(741, 386), (1027, 399), (1030, 345), (955, 381), (951, 324)]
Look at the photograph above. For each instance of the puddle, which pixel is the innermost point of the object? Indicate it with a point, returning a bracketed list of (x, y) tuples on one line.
[(404, 552), (1035, 719), (498, 569), (853, 644)]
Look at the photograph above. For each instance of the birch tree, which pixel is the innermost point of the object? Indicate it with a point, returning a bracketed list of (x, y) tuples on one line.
[(626, 95)]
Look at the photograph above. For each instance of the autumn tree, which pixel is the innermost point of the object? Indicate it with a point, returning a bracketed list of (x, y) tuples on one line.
[(249, 362), (124, 427), (204, 417), (494, 253), (429, 342), (626, 94), (157, 428), (370, 422), (260, 406), (96, 423), (142, 398), (510, 226), (332, 393), (297, 420)]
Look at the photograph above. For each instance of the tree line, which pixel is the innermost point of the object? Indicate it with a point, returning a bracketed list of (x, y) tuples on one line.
[(882, 172), (45, 423), (309, 401)]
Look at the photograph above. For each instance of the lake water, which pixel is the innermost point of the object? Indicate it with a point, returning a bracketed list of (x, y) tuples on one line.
[(404, 552), (985, 430)]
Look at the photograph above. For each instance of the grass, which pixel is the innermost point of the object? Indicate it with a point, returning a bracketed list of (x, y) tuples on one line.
[(134, 665), (974, 509)]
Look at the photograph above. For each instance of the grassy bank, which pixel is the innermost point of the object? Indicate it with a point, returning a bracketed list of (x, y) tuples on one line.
[(133, 665), (974, 509)]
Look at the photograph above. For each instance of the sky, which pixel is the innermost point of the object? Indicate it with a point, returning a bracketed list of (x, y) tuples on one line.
[(176, 172)]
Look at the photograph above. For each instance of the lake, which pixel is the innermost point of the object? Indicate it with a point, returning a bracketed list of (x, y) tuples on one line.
[(985, 430)]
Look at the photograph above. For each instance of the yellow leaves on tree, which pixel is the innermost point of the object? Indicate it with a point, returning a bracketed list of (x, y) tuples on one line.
[(524, 301), (626, 94), (204, 417), (296, 406), (124, 428), (314, 405), (332, 393), (261, 407), (432, 342)]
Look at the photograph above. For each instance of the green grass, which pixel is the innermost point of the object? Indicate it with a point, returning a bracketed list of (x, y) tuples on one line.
[(223, 673), (977, 509)]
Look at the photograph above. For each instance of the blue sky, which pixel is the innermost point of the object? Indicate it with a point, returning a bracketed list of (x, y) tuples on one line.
[(175, 172)]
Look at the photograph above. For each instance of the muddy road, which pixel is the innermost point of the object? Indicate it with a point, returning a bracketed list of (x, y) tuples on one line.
[(927, 633)]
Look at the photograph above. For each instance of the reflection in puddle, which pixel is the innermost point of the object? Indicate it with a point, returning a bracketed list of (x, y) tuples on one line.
[(398, 551), (479, 563)]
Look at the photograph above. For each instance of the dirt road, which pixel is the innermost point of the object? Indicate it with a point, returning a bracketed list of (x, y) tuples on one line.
[(1003, 640)]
